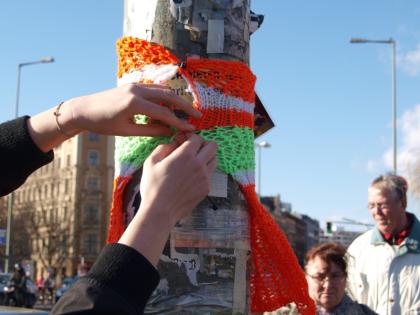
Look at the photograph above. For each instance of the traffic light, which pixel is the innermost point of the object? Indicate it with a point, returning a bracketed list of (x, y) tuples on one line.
[(329, 229)]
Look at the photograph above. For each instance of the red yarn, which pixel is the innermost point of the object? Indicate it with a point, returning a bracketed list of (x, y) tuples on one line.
[(116, 222), (218, 117), (276, 277)]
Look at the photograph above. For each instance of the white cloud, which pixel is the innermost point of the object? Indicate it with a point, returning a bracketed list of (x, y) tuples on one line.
[(410, 61), (408, 145), (409, 148)]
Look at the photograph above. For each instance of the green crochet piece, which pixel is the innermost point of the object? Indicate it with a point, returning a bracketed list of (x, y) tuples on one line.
[(236, 148), (235, 153)]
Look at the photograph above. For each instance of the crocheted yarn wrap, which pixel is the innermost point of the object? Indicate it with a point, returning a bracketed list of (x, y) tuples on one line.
[(224, 93)]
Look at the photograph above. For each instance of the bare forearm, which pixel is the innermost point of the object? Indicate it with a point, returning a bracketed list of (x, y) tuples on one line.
[(148, 233), (44, 127)]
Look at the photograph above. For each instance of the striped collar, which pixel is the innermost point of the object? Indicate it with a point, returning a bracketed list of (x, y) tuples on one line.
[(411, 244)]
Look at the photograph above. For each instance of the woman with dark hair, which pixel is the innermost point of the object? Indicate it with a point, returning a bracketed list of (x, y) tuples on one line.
[(326, 273)]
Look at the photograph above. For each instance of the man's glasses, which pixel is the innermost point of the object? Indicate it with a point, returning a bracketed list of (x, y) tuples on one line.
[(380, 206), (321, 278)]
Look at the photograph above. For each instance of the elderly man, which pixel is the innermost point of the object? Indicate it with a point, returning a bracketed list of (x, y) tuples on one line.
[(384, 263)]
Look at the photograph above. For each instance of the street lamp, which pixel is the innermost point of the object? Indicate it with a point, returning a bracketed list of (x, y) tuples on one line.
[(10, 198), (262, 144), (393, 43)]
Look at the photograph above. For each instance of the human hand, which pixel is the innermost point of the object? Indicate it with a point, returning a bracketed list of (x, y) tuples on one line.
[(176, 177), (112, 112)]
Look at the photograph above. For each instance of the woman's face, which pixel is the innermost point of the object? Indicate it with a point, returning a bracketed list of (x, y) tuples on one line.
[(326, 283)]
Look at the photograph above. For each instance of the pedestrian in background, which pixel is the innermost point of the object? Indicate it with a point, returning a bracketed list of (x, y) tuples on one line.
[(326, 273), (384, 263)]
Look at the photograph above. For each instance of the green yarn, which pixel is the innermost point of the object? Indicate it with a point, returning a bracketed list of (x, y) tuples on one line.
[(236, 148), (135, 150), (235, 152)]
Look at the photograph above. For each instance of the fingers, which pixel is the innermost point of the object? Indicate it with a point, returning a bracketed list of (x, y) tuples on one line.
[(190, 146), (211, 166), (196, 148), (207, 152), (149, 130), (160, 93), (162, 151), (162, 114)]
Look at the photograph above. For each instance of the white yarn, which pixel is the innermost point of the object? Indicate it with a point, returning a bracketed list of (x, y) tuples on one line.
[(211, 98), (244, 177), (158, 74)]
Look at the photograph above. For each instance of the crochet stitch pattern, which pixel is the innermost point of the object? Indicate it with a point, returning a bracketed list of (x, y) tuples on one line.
[(224, 93)]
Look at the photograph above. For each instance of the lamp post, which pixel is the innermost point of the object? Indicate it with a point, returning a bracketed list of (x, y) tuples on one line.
[(393, 44), (10, 198), (260, 145)]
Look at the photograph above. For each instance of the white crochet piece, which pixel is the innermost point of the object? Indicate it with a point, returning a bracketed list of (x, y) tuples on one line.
[(157, 74), (211, 98)]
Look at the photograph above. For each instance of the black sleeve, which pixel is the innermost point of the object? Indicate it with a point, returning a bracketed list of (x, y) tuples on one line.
[(19, 155), (120, 282)]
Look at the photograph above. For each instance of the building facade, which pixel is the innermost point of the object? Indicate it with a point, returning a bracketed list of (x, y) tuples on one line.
[(301, 231), (61, 212), (313, 231), (341, 236)]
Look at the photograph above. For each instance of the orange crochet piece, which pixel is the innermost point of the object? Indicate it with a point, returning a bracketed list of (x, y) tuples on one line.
[(116, 221), (220, 74), (135, 53), (224, 93), (277, 278), (221, 117)]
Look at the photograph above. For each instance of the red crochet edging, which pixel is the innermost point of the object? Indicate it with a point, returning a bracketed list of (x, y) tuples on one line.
[(276, 277)]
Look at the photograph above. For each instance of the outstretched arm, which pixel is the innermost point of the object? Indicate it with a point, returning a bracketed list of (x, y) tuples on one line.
[(112, 113), (26, 142)]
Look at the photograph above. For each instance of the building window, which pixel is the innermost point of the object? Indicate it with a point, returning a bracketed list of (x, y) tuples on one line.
[(94, 137), (90, 244), (93, 157), (93, 183), (65, 213), (91, 213), (66, 186), (68, 160)]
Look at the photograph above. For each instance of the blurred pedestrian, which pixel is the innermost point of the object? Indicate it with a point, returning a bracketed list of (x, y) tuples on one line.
[(326, 272), (49, 286), (17, 286), (384, 263)]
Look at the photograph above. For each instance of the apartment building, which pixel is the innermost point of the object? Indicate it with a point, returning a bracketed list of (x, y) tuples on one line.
[(60, 215)]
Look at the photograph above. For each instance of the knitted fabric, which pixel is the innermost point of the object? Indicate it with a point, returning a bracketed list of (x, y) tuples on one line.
[(223, 91)]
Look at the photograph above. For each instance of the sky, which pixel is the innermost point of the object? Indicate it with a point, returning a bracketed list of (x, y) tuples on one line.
[(330, 100)]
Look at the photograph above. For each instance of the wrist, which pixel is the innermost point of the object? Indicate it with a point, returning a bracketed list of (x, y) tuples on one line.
[(157, 215), (148, 233), (65, 118)]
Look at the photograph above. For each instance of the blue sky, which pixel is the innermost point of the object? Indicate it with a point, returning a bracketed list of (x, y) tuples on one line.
[(330, 100)]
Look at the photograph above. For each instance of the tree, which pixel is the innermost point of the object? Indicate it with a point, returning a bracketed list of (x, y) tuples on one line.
[(413, 177), (42, 224)]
